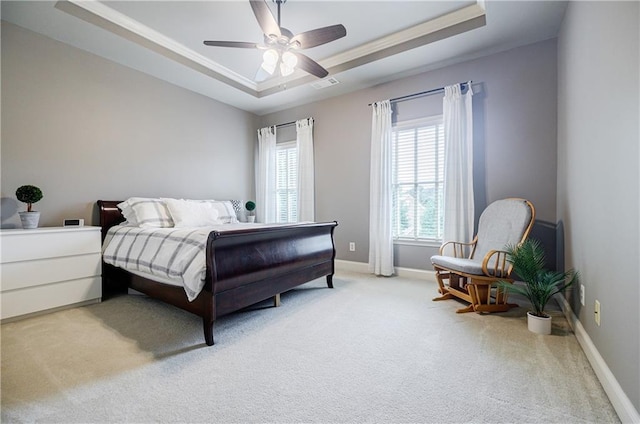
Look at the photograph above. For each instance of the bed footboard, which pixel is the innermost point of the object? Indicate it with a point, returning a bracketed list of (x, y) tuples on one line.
[(248, 266)]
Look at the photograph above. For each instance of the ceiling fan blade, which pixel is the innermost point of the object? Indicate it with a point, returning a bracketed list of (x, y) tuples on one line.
[(239, 44), (265, 18), (319, 36), (311, 66)]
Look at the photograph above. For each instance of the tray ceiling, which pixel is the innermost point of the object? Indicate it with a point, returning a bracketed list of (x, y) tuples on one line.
[(385, 40)]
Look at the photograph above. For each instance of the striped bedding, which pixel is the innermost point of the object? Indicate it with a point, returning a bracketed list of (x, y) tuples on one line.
[(175, 254)]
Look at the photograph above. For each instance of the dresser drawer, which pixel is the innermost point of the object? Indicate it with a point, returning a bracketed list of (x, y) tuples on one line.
[(41, 298), (17, 275), (24, 245)]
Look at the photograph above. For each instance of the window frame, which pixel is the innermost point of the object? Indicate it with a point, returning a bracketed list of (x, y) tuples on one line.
[(407, 125), (286, 145)]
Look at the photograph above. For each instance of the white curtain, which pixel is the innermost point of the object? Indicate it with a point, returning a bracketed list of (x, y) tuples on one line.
[(458, 166), (266, 175), (380, 210), (306, 193)]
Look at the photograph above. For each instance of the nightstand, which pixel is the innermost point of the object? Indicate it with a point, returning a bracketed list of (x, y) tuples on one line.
[(49, 268)]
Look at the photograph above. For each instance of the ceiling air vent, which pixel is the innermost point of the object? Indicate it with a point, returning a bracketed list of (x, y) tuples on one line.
[(327, 82)]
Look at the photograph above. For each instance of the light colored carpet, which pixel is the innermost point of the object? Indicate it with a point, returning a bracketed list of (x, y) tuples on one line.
[(370, 350)]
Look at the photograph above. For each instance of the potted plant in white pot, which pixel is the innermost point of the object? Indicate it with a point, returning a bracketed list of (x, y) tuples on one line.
[(29, 194), (540, 284), (250, 206)]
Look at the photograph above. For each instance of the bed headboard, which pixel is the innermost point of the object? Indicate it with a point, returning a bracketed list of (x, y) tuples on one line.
[(110, 215)]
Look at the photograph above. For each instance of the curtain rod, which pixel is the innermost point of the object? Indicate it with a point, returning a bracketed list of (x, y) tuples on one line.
[(290, 123), (286, 124), (423, 93)]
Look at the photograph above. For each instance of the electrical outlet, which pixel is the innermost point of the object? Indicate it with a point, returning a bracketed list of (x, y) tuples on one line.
[(582, 294), (597, 312), (352, 247)]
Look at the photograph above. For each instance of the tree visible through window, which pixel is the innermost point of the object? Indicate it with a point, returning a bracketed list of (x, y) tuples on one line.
[(287, 182), (418, 180)]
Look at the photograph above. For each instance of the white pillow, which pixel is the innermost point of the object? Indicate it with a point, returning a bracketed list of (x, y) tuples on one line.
[(226, 212), (187, 213), (146, 212), (127, 213)]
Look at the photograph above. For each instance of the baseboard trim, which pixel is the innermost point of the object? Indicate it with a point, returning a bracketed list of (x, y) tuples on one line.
[(620, 401), (420, 274), (343, 265)]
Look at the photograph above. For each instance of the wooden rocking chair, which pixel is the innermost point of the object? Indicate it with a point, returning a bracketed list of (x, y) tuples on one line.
[(472, 277)]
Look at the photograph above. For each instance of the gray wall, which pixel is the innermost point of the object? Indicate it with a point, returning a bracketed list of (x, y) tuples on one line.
[(598, 179), (83, 128), (515, 135)]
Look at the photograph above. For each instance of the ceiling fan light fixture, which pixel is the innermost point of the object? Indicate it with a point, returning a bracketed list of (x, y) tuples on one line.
[(289, 59), (286, 70), (288, 65), (270, 59)]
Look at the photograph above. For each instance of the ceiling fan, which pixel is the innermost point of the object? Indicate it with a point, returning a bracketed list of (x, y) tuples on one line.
[(282, 46)]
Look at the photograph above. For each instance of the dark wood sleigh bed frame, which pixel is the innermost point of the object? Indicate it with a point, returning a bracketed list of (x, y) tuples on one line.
[(243, 267)]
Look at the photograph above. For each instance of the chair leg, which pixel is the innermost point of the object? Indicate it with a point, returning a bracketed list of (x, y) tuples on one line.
[(442, 289), (476, 294), (455, 290), (481, 300), (443, 297), (464, 310)]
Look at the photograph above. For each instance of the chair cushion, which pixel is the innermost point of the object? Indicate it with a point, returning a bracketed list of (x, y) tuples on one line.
[(468, 266), (502, 223)]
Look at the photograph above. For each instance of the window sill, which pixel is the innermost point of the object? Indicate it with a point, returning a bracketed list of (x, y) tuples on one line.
[(419, 243)]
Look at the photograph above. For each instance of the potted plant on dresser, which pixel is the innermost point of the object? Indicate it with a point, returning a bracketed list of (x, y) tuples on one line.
[(540, 284), (250, 206), (29, 194)]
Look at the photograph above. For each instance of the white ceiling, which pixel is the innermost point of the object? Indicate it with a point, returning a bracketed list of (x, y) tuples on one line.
[(385, 40)]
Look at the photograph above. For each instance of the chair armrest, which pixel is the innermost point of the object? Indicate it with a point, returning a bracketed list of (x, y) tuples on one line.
[(495, 264), (459, 247)]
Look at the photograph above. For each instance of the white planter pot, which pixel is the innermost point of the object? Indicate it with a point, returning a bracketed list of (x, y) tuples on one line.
[(29, 219), (538, 325), (251, 218)]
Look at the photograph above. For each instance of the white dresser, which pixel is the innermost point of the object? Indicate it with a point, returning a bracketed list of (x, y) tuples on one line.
[(49, 267)]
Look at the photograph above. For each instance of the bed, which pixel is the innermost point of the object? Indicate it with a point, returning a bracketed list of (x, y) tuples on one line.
[(243, 266)]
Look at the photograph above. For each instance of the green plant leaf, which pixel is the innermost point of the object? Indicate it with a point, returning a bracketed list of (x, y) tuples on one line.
[(28, 194), (540, 284)]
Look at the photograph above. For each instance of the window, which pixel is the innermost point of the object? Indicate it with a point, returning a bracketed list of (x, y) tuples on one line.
[(418, 179), (286, 182)]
